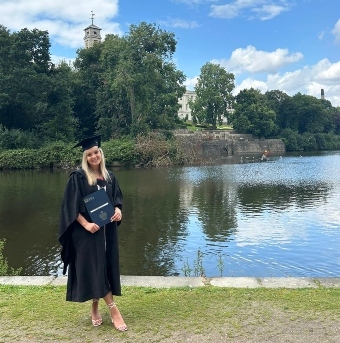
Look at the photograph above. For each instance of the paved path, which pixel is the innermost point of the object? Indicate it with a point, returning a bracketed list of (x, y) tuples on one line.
[(176, 281)]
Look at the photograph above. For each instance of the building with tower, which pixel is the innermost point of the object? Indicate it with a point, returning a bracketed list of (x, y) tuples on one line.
[(92, 34)]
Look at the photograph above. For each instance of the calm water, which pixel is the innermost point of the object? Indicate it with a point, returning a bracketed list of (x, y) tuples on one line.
[(280, 218)]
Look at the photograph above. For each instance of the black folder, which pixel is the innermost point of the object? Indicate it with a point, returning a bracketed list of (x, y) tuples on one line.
[(99, 207)]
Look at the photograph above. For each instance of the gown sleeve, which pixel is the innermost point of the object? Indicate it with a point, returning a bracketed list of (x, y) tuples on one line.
[(72, 205), (117, 195)]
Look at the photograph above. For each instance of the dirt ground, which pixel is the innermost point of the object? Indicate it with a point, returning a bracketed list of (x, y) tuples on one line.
[(280, 329)]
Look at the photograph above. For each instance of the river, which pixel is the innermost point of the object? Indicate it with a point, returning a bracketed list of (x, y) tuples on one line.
[(278, 218)]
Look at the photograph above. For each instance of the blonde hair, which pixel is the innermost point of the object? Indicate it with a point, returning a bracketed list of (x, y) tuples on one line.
[(91, 176)]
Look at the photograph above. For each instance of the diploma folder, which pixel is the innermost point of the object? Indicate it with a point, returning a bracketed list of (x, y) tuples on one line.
[(99, 207)]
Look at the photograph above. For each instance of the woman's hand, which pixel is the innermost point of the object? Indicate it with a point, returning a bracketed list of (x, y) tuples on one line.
[(91, 227), (117, 215)]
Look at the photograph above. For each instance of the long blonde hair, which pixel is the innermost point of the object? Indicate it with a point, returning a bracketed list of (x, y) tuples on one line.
[(91, 176)]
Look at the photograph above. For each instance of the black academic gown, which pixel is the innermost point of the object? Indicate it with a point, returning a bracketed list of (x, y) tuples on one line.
[(92, 259)]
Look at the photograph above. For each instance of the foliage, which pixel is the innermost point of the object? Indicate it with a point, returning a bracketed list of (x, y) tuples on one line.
[(87, 80), (34, 93), (17, 138), (253, 114), (141, 84), (129, 86), (5, 270), (120, 150), (309, 142), (213, 95), (154, 150)]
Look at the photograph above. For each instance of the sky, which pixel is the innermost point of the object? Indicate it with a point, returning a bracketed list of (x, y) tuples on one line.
[(289, 45)]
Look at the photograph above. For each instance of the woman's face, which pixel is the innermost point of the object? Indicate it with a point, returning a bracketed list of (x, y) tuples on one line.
[(93, 157)]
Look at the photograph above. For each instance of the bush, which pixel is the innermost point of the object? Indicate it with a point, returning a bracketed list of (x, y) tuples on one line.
[(17, 139), (4, 269)]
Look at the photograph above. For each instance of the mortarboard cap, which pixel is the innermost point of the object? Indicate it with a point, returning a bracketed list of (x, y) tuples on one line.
[(89, 143)]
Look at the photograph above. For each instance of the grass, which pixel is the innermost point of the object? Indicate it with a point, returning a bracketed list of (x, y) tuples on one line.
[(40, 314)]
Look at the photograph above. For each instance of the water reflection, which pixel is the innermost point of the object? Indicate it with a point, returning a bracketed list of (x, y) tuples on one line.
[(279, 218)]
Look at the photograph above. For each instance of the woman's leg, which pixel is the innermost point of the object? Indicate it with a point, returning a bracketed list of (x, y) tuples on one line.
[(96, 318), (117, 319)]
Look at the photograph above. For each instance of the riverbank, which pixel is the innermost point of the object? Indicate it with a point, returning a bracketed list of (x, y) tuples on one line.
[(192, 282), (172, 309)]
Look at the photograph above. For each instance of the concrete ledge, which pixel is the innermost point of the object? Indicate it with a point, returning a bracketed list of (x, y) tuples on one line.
[(328, 282), (242, 282), (26, 280), (162, 281), (59, 281), (288, 282), (177, 281)]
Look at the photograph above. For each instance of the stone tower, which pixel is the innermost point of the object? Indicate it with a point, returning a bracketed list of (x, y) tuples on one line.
[(322, 94), (92, 34)]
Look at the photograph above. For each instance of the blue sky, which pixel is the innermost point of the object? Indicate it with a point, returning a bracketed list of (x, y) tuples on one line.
[(290, 45)]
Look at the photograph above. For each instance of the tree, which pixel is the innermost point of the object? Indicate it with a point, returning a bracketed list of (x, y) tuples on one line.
[(312, 115), (141, 84), (58, 122), (24, 68), (87, 80), (253, 115), (34, 97), (213, 95)]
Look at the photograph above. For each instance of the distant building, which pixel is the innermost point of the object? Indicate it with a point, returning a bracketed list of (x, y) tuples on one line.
[(322, 94), (185, 111), (92, 34)]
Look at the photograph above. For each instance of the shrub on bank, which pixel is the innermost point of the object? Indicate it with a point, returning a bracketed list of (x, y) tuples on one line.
[(5, 270), (152, 150), (309, 141)]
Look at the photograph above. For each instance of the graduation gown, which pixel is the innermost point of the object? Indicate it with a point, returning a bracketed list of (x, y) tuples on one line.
[(92, 259)]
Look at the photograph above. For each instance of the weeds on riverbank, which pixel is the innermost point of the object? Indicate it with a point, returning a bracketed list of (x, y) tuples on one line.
[(198, 269), (41, 314), (5, 270)]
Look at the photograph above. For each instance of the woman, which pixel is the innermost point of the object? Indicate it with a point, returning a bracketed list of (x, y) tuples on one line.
[(91, 252)]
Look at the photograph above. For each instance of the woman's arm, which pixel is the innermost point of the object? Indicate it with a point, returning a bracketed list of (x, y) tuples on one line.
[(91, 227)]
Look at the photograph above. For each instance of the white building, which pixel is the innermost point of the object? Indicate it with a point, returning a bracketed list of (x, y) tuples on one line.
[(184, 111)]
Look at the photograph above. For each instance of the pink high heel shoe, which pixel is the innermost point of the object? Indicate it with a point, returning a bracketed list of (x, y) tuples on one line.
[(122, 327)]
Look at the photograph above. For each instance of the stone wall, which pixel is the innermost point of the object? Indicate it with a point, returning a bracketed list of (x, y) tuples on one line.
[(215, 143)]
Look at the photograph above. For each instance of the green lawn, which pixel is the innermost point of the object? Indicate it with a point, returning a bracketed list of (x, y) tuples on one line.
[(40, 314)]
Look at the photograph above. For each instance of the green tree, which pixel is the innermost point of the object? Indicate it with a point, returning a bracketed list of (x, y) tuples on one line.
[(141, 84), (58, 121), (213, 95), (275, 99), (253, 115), (311, 113), (34, 94), (87, 80)]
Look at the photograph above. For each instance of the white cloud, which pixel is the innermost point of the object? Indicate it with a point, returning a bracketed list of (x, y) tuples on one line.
[(190, 83), (255, 61), (194, 2), (270, 11), (336, 31), (327, 72), (63, 20), (264, 9), (179, 23), (307, 80), (321, 35), (245, 63)]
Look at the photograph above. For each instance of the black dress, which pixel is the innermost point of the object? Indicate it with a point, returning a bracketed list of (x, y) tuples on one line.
[(92, 258)]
